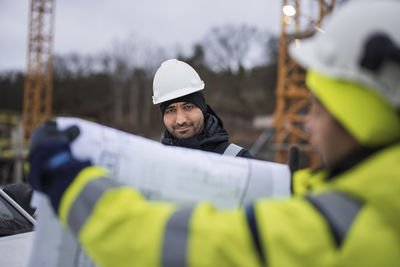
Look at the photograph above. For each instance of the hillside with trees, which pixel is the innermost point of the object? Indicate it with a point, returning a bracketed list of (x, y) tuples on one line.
[(237, 64)]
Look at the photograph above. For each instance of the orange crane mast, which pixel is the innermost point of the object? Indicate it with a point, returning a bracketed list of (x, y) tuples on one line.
[(39, 69), (293, 98)]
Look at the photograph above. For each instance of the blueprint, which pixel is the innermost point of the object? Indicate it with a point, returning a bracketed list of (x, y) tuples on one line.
[(159, 172)]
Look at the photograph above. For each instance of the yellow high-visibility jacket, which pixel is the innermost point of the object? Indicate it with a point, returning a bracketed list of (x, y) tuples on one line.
[(350, 220)]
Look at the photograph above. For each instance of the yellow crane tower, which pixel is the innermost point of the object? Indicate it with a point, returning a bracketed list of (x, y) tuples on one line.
[(39, 70), (292, 95)]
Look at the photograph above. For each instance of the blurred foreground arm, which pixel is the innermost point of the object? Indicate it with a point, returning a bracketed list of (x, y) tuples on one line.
[(118, 227)]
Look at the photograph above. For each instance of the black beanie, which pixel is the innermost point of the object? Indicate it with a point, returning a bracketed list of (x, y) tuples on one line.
[(195, 98)]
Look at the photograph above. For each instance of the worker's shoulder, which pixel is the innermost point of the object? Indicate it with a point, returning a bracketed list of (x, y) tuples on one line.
[(244, 153), (236, 150)]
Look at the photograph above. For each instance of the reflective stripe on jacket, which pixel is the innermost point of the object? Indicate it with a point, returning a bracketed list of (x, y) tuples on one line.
[(352, 220)]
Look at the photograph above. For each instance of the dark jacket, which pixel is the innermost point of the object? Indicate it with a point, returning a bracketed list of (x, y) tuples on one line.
[(214, 137)]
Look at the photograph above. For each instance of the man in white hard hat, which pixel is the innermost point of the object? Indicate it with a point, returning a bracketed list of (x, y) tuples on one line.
[(188, 120), (350, 214)]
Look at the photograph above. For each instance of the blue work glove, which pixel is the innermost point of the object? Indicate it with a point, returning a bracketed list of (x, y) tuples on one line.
[(52, 166)]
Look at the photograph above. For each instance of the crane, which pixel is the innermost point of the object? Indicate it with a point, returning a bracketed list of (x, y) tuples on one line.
[(38, 80), (293, 98)]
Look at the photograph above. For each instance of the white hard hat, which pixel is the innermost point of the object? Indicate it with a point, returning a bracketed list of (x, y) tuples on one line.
[(173, 79), (340, 51)]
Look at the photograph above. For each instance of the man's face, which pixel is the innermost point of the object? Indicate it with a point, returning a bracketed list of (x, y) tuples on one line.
[(183, 120), (328, 137)]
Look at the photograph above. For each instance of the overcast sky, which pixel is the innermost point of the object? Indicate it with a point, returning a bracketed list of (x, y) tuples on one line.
[(90, 26)]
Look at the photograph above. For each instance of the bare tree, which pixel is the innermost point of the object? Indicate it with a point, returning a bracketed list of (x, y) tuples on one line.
[(230, 47), (134, 62)]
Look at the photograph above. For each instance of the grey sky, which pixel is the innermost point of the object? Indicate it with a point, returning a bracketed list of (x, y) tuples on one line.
[(90, 26)]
